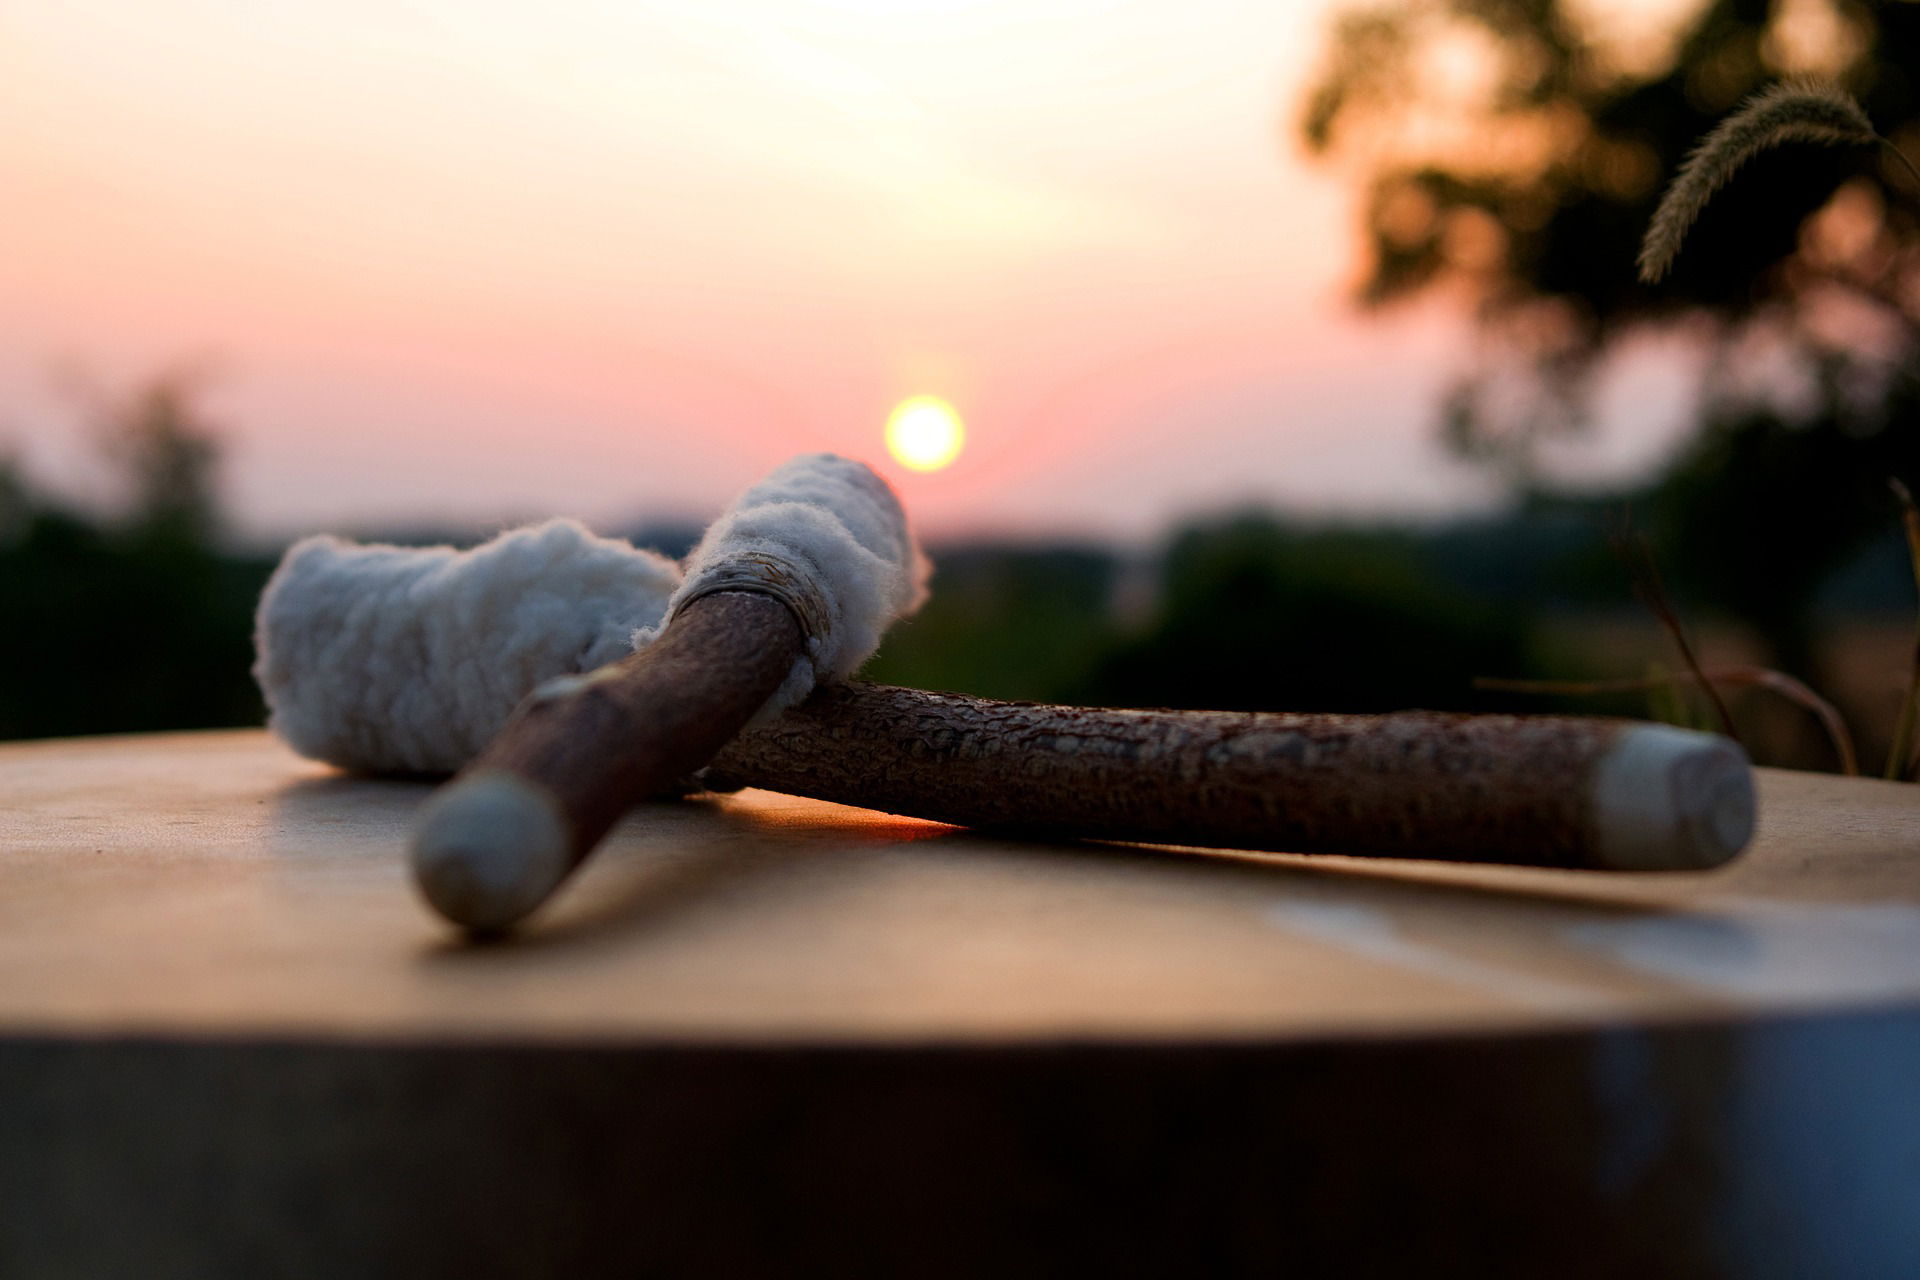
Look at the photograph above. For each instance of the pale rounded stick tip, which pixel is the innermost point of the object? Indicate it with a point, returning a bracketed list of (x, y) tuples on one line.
[(1667, 799), (488, 849)]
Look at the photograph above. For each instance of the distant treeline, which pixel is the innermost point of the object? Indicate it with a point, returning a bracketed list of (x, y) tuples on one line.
[(1250, 611), (142, 620)]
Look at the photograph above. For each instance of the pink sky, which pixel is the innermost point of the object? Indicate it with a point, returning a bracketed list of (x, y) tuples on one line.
[(484, 260)]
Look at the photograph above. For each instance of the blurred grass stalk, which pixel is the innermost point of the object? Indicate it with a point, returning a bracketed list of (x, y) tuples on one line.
[(1901, 756), (1799, 111), (1756, 677)]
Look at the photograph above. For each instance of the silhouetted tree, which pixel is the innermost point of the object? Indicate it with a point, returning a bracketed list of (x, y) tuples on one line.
[(1513, 151), (137, 621), (162, 441)]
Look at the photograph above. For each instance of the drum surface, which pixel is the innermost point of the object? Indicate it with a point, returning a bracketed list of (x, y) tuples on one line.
[(759, 1033)]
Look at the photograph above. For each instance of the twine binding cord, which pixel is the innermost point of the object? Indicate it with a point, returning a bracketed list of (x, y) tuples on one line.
[(409, 660), (827, 536)]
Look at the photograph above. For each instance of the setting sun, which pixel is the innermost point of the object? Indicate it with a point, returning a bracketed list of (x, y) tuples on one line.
[(924, 433)]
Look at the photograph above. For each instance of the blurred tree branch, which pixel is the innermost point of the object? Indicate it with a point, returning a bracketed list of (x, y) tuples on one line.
[(1511, 154), (1513, 151)]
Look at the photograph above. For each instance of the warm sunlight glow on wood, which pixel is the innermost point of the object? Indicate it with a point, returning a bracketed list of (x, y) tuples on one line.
[(924, 433)]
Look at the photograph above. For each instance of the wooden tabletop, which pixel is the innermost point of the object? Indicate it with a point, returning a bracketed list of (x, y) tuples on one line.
[(215, 883), (767, 1036)]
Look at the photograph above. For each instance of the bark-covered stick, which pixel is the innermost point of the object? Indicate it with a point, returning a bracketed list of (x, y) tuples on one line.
[(793, 585), (1528, 790)]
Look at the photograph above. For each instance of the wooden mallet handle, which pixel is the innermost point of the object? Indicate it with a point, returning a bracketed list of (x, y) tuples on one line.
[(1544, 791), (1527, 790), (1541, 791), (495, 842)]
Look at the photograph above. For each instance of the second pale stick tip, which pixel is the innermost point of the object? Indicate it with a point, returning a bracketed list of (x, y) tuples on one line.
[(1667, 799), (488, 849)]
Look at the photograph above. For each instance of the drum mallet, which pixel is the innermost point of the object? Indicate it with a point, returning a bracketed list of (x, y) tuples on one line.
[(392, 660)]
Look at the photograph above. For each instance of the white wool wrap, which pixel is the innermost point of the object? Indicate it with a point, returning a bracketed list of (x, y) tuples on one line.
[(395, 659)]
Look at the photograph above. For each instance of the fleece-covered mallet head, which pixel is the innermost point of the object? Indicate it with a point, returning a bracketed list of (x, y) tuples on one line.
[(383, 659), (387, 659)]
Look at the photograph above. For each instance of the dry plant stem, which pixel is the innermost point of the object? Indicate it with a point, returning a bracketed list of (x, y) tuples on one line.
[(1902, 754), (1652, 588), (1888, 144), (580, 751), (1760, 677), (1516, 789), (1903, 765)]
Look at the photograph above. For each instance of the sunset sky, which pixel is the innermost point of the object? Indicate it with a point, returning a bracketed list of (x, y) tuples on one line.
[(482, 260)]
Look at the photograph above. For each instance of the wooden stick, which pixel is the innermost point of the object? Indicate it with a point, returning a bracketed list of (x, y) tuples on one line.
[(497, 840), (1528, 790)]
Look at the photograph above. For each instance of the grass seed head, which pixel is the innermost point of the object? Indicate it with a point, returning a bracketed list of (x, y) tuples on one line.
[(1800, 111)]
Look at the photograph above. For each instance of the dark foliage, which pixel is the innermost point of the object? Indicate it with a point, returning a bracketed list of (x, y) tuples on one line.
[(1535, 202), (1249, 612), (1259, 617), (1005, 621), (129, 624)]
